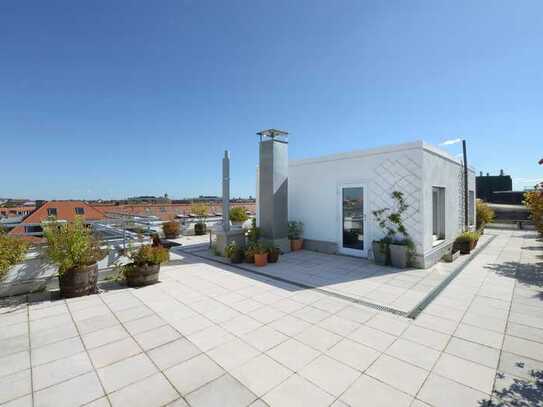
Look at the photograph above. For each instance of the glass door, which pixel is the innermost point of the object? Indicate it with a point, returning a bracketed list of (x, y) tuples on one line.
[(352, 220)]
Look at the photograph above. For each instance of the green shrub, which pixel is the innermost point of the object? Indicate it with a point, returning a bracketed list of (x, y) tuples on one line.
[(12, 251), (238, 214), (171, 229), (295, 230), (233, 250), (253, 233), (71, 245), (467, 237), (485, 214), (534, 202), (149, 255)]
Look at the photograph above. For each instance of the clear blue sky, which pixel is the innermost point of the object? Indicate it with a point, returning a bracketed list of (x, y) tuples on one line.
[(117, 98)]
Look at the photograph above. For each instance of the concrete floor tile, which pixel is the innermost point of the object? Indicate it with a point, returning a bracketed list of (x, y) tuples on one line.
[(318, 338), (14, 363), (443, 392), (288, 325), (233, 354), (60, 370), (427, 337), (330, 375), (339, 326), (471, 374), (353, 354), (398, 374), (414, 353), (293, 354), (15, 386), (295, 392), (173, 353), (261, 374), (372, 337), (211, 337), (225, 391), (193, 373), (156, 337), (57, 350), (126, 371), (77, 391), (475, 352), (154, 391), (367, 391), (113, 352), (264, 338), (523, 347)]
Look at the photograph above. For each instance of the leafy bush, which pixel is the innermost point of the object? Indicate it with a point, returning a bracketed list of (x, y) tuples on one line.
[(171, 229), (238, 214), (149, 255), (253, 233), (233, 250), (12, 251), (259, 249), (485, 214), (71, 245), (534, 202), (467, 237), (199, 209), (295, 230)]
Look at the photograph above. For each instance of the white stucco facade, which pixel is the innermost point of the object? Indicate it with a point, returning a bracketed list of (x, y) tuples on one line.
[(315, 189)]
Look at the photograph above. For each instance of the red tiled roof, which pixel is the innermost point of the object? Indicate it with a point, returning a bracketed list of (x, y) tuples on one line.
[(65, 211)]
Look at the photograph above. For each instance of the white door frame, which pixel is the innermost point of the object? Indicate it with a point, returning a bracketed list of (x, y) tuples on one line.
[(341, 249)]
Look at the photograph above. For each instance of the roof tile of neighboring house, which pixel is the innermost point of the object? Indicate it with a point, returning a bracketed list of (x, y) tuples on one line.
[(65, 210)]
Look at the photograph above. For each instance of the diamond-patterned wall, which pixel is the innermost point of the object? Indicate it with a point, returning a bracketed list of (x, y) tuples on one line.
[(404, 174)]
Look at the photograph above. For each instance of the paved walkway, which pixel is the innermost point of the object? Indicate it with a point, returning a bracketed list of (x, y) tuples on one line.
[(210, 337), (396, 290)]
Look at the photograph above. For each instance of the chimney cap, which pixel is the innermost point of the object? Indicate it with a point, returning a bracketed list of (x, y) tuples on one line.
[(272, 133)]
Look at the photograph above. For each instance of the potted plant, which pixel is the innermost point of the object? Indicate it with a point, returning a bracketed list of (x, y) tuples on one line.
[(235, 253), (171, 229), (200, 210), (261, 256), (273, 254), (465, 243), (253, 233), (73, 248), (485, 215), (145, 266), (238, 215), (295, 235), (396, 246), (250, 253)]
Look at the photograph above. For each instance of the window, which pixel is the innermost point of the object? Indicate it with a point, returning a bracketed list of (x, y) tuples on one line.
[(471, 207), (79, 211), (52, 211), (33, 229), (438, 213)]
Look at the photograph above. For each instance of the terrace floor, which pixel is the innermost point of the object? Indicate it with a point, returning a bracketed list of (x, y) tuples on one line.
[(400, 291), (213, 335)]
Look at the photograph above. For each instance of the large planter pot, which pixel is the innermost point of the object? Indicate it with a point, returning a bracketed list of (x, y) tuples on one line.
[(237, 257), (399, 255), (380, 254), (261, 259), (171, 235), (464, 247), (296, 244), (200, 229), (142, 275), (78, 281), (273, 256)]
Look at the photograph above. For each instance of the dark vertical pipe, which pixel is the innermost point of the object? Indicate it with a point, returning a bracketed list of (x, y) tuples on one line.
[(466, 197)]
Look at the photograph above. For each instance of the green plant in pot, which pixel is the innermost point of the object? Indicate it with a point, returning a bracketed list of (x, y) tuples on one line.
[(260, 255), (466, 242), (235, 253), (295, 235), (485, 215), (250, 253), (171, 229), (73, 248), (144, 267), (238, 215), (396, 246), (201, 211), (273, 254)]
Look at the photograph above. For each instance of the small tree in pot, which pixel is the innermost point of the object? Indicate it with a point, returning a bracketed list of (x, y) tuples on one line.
[(273, 254), (396, 243), (171, 229), (73, 248), (200, 210), (295, 235), (235, 253), (145, 266), (238, 215)]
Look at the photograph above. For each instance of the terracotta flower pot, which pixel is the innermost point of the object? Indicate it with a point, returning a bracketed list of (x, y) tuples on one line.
[(142, 275), (273, 256), (261, 259), (296, 244), (78, 281)]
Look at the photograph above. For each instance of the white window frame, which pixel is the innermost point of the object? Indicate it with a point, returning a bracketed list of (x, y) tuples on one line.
[(438, 218)]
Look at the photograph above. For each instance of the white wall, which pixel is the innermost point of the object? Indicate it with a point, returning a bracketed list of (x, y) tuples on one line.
[(314, 183), (440, 171)]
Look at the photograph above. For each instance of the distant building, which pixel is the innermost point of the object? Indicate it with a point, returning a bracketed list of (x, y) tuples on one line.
[(62, 211), (15, 211), (497, 189)]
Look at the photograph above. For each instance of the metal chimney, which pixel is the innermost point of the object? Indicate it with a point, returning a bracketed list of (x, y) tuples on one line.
[(273, 188)]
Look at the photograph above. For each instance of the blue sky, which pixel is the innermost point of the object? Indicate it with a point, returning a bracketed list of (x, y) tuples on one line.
[(118, 98)]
